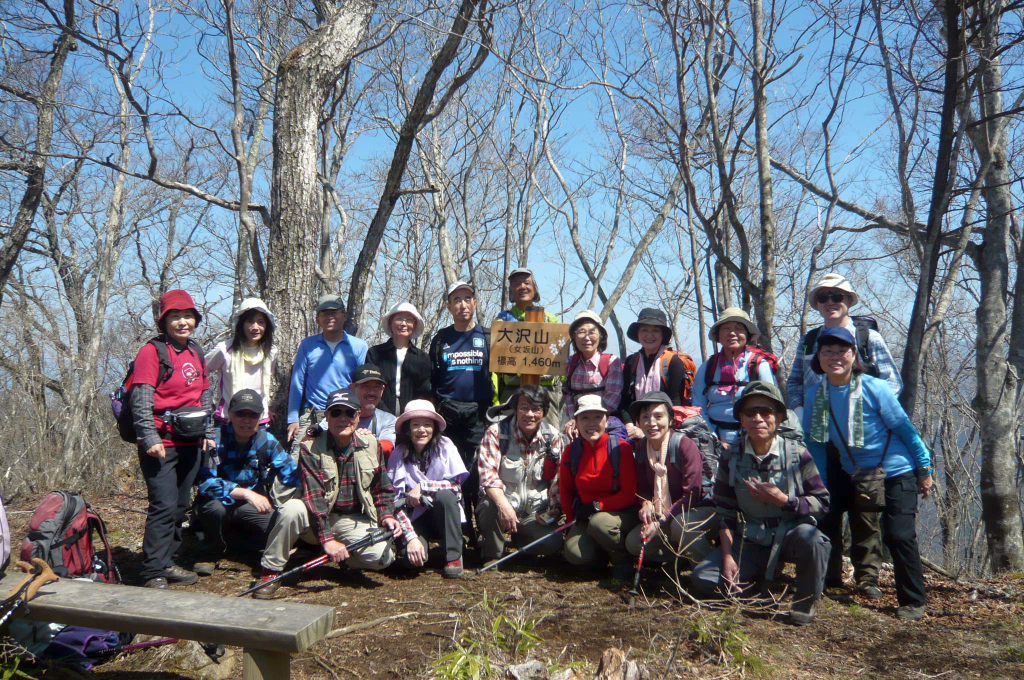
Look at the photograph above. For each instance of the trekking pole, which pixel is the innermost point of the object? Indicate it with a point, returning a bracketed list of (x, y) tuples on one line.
[(639, 565), (375, 536), (492, 565)]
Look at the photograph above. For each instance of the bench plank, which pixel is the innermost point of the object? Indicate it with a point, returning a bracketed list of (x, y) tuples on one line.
[(273, 626)]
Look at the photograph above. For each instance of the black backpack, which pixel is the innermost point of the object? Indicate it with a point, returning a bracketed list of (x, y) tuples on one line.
[(121, 398), (861, 324)]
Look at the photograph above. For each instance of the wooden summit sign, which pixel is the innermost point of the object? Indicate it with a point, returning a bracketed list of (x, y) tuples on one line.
[(529, 348)]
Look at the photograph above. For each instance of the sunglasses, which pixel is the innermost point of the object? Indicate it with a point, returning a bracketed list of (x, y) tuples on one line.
[(763, 411), (822, 298), (339, 412)]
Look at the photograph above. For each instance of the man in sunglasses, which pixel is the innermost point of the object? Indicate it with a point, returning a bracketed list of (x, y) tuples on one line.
[(346, 493), (833, 296)]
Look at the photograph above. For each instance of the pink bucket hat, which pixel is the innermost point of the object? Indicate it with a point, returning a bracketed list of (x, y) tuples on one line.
[(420, 408)]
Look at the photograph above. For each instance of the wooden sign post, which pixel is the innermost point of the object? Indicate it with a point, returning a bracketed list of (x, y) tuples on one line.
[(529, 348)]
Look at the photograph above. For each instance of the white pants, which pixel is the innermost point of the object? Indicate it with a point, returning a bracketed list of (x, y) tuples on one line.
[(292, 522)]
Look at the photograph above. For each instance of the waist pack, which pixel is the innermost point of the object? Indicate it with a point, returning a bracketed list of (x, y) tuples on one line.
[(868, 483), (188, 423), (61, 531)]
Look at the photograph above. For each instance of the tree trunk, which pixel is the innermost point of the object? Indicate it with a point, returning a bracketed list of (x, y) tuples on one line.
[(45, 102), (305, 79)]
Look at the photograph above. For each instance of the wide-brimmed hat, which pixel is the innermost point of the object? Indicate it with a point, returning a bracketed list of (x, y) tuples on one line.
[(760, 388), (180, 300), (420, 408), (256, 304), (833, 280), (409, 308), (533, 279), (738, 315), (589, 402), (655, 397), (649, 316)]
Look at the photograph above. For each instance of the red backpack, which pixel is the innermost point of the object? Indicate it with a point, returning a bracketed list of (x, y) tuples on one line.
[(61, 532), (752, 368), (575, 361)]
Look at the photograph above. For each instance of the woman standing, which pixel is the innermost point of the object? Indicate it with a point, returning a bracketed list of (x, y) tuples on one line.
[(404, 367), (427, 471), (591, 370), (656, 367), (721, 379), (248, 359), (854, 423), (171, 403)]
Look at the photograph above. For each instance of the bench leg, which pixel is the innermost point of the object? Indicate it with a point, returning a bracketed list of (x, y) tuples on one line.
[(258, 664)]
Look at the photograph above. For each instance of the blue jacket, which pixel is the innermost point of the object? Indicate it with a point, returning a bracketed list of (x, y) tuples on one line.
[(236, 465), (715, 406), (884, 419), (317, 371)]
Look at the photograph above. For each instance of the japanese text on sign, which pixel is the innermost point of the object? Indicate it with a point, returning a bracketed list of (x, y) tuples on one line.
[(530, 348)]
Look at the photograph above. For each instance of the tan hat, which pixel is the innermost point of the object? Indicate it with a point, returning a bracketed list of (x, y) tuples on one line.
[(833, 280), (420, 408), (734, 314), (408, 308), (588, 316), (589, 402)]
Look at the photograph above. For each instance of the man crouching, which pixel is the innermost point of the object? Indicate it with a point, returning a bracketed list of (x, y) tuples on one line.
[(346, 494)]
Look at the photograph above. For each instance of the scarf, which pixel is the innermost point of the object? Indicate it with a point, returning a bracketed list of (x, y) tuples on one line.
[(820, 415), (657, 462), (649, 381), (239, 360), (727, 373)]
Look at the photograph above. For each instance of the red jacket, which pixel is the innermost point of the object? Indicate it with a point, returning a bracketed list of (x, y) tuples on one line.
[(594, 479)]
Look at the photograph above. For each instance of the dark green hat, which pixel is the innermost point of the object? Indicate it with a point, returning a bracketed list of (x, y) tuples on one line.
[(760, 388)]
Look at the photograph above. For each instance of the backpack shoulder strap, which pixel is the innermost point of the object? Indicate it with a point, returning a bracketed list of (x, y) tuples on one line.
[(675, 446), (603, 363), (614, 457), (575, 454), (198, 349), (810, 339), (163, 354), (570, 367), (709, 371), (863, 327)]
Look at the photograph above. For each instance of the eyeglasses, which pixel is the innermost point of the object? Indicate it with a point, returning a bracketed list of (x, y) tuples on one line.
[(588, 333), (835, 353), (822, 298), (339, 412), (763, 411)]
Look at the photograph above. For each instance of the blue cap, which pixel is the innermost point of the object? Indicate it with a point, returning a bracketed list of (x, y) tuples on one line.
[(836, 335)]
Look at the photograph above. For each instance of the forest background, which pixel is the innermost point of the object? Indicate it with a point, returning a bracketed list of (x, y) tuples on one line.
[(688, 155)]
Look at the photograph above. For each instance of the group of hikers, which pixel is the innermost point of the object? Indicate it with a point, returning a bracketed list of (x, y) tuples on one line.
[(594, 464)]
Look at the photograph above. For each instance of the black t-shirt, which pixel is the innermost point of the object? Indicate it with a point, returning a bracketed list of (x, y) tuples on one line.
[(460, 365)]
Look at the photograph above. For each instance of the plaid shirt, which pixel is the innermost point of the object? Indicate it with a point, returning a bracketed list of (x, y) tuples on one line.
[(314, 482), (489, 458), (234, 465), (587, 376), (802, 378)]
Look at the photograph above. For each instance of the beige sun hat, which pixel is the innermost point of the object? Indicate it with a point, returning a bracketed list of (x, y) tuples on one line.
[(409, 308), (833, 280), (734, 314), (420, 408)]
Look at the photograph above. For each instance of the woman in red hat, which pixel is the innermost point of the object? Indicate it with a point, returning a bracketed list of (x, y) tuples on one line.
[(171, 404)]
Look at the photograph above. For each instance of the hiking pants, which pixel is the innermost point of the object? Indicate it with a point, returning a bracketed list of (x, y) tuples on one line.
[(686, 534), (492, 538), (441, 522), (865, 530), (467, 422), (215, 517), (292, 521), (600, 538), (308, 417), (899, 531), (803, 545), (169, 488)]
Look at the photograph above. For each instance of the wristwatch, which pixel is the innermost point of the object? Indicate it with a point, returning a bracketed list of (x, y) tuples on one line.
[(923, 471), (597, 506)]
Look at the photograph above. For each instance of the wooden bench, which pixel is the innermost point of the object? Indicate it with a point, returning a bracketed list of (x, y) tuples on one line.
[(268, 631)]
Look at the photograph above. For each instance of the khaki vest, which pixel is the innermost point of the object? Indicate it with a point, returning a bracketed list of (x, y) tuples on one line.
[(367, 458), (759, 519), (525, 488)]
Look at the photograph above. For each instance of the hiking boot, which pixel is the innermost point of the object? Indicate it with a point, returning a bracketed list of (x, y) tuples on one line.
[(802, 613), (453, 569), (176, 574), (266, 592), (160, 583), (870, 591), (831, 583), (910, 612), (205, 568)]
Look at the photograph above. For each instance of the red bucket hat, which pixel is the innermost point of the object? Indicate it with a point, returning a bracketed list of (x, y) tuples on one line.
[(177, 299)]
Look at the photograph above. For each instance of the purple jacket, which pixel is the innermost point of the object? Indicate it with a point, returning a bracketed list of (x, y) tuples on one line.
[(445, 466)]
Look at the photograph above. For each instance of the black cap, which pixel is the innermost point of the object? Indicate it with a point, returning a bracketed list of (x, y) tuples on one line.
[(246, 400), (655, 397), (649, 317), (367, 372), (346, 398)]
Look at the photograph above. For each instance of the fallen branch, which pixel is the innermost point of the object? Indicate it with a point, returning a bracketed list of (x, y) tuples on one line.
[(938, 570), (369, 624)]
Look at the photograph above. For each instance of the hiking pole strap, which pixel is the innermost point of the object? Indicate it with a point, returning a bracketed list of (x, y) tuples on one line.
[(492, 565)]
